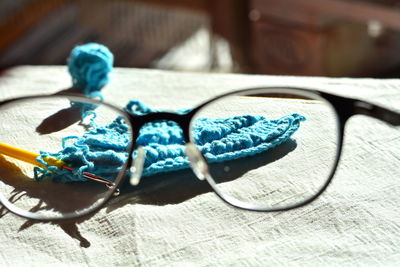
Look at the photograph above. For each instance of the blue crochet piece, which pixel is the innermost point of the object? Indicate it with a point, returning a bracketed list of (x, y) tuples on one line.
[(102, 149)]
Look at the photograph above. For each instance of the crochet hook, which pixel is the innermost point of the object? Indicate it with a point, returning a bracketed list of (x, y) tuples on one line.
[(30, 157)]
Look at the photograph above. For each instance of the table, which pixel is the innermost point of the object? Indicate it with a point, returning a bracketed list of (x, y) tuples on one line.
[(355, 222)]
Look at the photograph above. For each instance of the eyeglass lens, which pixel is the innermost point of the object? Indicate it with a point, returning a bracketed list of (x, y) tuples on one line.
[(44, 125), (267, 149)]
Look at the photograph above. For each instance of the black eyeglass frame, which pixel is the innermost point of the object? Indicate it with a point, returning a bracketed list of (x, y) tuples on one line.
[(344, 107)]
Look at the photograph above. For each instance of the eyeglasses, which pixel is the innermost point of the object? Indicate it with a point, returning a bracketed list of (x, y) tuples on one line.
[(261, 149)]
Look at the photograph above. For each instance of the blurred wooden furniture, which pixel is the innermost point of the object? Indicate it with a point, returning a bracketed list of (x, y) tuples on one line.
[(329, 37), (294, 37), (313, 37), (24, 17)]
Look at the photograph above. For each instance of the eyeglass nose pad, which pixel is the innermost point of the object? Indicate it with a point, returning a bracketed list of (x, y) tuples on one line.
[(137, 168), (197, 161)]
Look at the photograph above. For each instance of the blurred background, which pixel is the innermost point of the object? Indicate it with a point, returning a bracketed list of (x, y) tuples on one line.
[(337, 38)]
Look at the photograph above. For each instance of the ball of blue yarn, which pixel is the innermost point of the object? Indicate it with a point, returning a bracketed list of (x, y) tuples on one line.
[(89, 66)]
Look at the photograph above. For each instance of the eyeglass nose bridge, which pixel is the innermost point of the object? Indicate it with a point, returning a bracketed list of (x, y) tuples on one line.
[(137, 122), (183, 121)]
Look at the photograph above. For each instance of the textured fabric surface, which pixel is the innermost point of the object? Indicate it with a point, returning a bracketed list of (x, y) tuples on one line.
[(178, 221)]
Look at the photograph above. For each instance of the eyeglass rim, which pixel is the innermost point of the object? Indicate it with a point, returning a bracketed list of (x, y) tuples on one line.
[(312, 94), (108, 195), (345, 107)]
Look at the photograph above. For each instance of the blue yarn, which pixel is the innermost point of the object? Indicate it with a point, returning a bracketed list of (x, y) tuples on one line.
[(102, 150), (89, 66)]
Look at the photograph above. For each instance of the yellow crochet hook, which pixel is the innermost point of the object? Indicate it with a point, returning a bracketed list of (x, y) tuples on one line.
[(27, 156), (30, 157)]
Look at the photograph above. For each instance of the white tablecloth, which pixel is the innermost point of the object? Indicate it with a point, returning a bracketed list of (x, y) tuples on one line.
[(355, 222)]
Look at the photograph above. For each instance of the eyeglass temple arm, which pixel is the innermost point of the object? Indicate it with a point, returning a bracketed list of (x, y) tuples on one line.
[(378, 112)]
